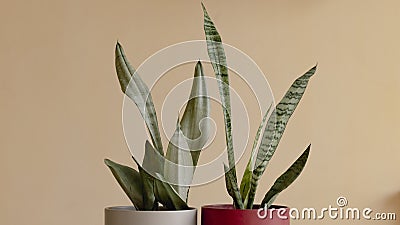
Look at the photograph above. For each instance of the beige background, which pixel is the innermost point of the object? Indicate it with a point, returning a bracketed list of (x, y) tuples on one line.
[(61, 103)]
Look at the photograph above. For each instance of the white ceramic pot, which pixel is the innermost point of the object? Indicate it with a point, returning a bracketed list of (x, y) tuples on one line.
[(127, 215)]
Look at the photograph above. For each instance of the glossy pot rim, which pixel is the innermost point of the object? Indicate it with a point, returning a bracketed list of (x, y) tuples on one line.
[(229, 207)]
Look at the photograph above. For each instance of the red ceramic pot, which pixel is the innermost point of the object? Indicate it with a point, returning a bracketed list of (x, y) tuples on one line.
[(227, 214)]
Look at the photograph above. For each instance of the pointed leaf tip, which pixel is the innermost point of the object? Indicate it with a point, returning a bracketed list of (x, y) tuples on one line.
[(107, 162), (204, 8), (118, 46), (198, 63), (198, 70), (205, 11)]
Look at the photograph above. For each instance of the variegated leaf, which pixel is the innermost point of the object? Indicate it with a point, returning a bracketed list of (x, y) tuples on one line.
[(218, 61), (233, 190), (246, 179), (196, 112), (286, 178), (178, 168), (134, 87), (275, 128)]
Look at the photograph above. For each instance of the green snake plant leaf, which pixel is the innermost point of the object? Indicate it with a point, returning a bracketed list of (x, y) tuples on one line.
[(153, 161), (196, 112), (217, 56), (149, 199), (178, 168), (232, 188), (130, 181), (134, 87), (275, 128), (167, 195), (286, 179), (246, 179), (152, 164), (159, 191)]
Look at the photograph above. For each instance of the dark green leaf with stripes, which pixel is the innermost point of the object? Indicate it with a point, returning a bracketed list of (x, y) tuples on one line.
[(246, 179), (232, 188), (286, 179), (218, 61), (275, 128)]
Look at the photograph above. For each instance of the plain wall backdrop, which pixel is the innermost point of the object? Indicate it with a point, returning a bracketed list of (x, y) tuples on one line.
[(61, 102)]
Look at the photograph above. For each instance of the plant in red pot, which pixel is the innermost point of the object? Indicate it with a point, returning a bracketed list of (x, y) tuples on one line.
[(243, 211)]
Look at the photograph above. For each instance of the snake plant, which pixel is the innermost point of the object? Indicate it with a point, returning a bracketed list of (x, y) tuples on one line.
[(147, 188), (274, 125)]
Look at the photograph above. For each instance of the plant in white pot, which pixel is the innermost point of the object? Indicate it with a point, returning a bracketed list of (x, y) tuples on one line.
[(159, 189), (243, 211)]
